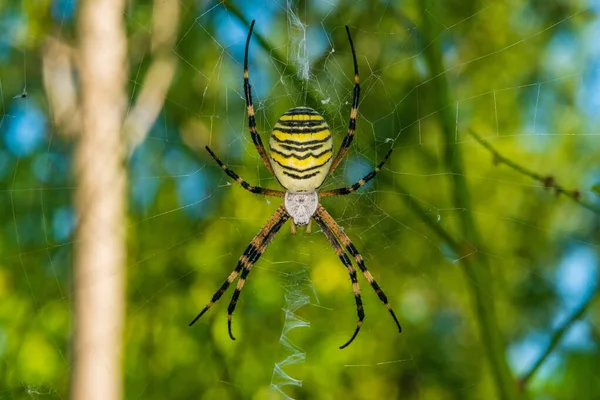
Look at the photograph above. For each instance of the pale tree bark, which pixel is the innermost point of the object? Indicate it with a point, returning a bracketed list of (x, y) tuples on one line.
[(99, 254)]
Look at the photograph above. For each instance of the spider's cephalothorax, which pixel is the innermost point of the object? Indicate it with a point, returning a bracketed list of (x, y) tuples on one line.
[(301, 158), (301, 150)]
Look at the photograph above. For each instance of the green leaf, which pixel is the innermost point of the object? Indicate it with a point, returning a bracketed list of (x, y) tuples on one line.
[(596, 189)]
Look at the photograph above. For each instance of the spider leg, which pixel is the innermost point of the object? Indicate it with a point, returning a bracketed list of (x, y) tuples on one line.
[(339, 250), (245, 185), (264, 235), (345, 240), (353, 112), (357, 185), (251, 120), (271, 228)]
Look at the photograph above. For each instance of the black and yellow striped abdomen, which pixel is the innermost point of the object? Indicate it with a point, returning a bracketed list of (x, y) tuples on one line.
[(301, 149)]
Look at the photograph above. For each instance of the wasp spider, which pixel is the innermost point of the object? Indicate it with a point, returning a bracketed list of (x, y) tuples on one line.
[(301, 157)]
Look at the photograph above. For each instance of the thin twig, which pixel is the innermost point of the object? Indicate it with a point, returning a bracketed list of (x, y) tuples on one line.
[(149, 102), (547, 180), (558, 335), (59, 64)]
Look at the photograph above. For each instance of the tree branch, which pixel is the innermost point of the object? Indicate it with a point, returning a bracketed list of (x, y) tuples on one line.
[(558, 335), (159, 76), (548, 181), (58, 72)]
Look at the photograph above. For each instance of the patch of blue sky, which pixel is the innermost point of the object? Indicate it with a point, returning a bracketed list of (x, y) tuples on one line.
[(191, 181), (143, 192), (52, 167), (588, 96), (63, 10), (146, 172), (232, 34), (563, 55), (541, 102), (523, 354), (192, 190), (576, 280), (14, 21), (317, 43), (26, 130), (577, 275), (63, 223), (357, 168), (325, 7)]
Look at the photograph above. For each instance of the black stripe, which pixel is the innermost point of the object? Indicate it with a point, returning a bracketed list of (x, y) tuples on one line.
[(303, 148), (301, 170), (352, 249), (352, 124), (300, 157), (347, 140), (300, 129), (356, 96), (301, 177), (299, 143), (301, 123), (359, 307)]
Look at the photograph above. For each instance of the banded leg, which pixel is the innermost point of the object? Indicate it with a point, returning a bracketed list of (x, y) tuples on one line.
[(339, 250), (245, 185), (249, 254), (353, 113), (251, 120), (357, 185), (273, 226), (345, 240)]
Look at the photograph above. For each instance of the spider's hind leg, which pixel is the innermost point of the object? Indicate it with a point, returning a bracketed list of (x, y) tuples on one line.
[(339, 250), (253, 252), (327, 219)]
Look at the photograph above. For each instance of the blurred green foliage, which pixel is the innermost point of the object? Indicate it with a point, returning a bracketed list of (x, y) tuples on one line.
[(517, 73)]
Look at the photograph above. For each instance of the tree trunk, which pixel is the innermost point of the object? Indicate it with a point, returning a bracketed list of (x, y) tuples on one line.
[(99, 252)]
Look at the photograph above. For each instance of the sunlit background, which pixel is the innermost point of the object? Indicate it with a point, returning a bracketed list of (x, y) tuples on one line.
[(522, 75)]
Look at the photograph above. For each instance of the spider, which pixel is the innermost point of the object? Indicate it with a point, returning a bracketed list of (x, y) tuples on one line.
[(301, 157)]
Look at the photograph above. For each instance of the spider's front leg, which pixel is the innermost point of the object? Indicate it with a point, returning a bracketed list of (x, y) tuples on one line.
[(241, 181)]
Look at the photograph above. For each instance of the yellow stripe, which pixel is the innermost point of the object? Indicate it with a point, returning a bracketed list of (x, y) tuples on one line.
[(301, 137), (301, 117)]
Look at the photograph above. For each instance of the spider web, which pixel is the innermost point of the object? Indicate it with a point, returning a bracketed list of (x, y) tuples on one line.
[(530, 91)]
